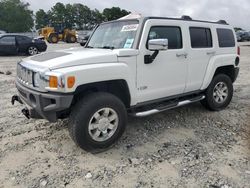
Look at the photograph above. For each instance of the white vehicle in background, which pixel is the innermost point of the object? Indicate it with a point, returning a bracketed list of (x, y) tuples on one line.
[(138, 66)]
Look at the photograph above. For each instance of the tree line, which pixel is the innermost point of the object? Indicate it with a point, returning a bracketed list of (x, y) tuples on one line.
[(16, 16)]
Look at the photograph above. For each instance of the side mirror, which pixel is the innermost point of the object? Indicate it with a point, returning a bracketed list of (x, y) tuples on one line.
[(158, 44)]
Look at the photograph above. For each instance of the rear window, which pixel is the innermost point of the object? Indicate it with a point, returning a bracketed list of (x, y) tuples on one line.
[(226, 38), (200, 37), (172, 33)]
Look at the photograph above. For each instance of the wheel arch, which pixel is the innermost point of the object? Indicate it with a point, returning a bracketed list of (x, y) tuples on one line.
[(119, 88), (222, 65)]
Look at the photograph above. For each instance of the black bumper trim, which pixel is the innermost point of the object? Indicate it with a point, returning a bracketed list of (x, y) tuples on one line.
[(45, 104), (236, 73)]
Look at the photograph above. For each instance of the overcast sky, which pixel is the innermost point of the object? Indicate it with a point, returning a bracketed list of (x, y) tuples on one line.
[(236, 12)]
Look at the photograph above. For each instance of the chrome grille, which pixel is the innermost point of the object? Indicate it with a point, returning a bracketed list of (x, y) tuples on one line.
[(24, 75)]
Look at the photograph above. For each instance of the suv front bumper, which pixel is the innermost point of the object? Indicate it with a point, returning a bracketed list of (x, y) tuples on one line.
[(44, 105)]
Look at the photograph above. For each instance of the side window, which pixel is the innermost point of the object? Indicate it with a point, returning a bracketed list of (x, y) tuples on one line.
[(8, 40), (172, 33), (200, 37), (22, 39), (226, 38)]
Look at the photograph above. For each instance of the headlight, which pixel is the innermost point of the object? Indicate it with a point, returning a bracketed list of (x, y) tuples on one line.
[(36, 79), (52, 81), (59, 82)]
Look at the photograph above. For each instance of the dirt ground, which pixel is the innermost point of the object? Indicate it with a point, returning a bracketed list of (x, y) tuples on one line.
[(185, 147)]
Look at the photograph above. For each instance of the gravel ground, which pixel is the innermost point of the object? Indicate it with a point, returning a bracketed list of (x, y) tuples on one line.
[(185, 147)]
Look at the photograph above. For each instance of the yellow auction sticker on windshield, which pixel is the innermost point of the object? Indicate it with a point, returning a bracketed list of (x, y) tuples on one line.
[(132, 27)]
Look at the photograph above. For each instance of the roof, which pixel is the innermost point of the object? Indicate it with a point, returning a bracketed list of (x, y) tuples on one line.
[(183, 18), (12, 34), (188, 18)]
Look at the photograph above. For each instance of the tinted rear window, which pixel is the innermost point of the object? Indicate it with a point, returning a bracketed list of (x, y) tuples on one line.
[(226, 38), (200, 37), (172, 33)]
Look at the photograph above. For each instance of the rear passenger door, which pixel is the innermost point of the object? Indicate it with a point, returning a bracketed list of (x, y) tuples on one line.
[(201, 50)]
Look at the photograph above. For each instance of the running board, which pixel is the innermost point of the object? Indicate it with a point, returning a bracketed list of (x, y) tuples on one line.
[(168, 107)]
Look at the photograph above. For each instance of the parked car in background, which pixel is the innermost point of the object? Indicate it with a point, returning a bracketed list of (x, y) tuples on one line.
[(82, 40), (83, 36), (243, 36), (11, 44), (238, 35)]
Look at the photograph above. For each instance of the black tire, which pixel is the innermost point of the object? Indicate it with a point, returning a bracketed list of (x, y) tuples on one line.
[(210, 102), (71, 39), (53, 38), (83, 112), (32, 50)]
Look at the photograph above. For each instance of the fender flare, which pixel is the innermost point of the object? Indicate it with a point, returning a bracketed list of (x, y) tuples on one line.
[(215, 63)]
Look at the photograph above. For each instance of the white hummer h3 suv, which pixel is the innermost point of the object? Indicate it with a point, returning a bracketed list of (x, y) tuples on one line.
[(136, 66)]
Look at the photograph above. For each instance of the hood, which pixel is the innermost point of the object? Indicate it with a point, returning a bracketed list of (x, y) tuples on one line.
[(71, 57)]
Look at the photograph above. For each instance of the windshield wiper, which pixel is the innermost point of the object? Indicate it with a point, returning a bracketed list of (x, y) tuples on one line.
[(108, 47), (89, 47)]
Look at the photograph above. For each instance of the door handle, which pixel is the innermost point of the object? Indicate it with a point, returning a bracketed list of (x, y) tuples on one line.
[(182, 55), (210, 53)]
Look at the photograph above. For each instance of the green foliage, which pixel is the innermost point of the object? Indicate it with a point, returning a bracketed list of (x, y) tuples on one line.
[(42, 19), (114, 13), (238, 29), (15, 16), (77, 16)]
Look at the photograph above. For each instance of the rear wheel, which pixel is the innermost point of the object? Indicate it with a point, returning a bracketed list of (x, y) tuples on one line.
[(219, 93), (53, 38), (97, 121), (32, 50)]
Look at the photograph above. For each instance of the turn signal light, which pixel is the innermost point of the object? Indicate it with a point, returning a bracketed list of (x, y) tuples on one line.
[(53, 82), (71, 81)]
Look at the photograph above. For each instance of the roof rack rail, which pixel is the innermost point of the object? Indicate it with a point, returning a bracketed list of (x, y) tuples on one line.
[(185, 17), (222, 22)]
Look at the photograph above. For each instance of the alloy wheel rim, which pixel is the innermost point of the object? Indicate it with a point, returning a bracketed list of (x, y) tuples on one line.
[(220, 92), (103, 124), (33, 51)]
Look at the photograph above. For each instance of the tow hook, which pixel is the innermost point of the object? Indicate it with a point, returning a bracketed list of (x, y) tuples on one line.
[(15, 98), (26, 112)]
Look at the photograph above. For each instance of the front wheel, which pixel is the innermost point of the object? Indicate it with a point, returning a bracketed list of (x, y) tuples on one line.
[(97, 121), (219, 93)]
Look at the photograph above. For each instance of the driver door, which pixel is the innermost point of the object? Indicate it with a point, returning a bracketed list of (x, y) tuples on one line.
[(166, 75)]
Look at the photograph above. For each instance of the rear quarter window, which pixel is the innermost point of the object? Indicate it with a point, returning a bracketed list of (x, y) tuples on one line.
[(226, 38)]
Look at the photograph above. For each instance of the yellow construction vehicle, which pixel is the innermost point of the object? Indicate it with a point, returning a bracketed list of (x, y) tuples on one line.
[(53, 35)]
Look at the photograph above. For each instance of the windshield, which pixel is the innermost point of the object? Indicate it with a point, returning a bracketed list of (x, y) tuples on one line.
[(115, 35)]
